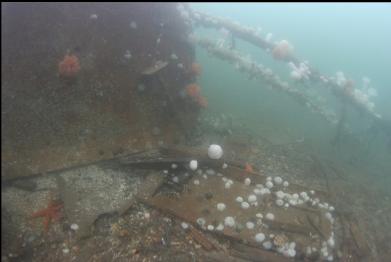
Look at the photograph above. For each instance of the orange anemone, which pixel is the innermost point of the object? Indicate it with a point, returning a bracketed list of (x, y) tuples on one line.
[(194, 91), (69, 66)]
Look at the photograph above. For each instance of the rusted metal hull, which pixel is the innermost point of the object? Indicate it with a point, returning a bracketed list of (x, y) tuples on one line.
[(50, 123)]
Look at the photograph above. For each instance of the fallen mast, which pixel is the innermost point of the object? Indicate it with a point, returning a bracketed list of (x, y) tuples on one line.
[(260, 72), (345, 91)]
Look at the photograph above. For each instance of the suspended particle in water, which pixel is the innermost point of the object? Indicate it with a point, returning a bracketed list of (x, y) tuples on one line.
[(133, 25)]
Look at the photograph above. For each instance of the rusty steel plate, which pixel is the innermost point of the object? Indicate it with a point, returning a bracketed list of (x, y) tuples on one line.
[(108, 107)]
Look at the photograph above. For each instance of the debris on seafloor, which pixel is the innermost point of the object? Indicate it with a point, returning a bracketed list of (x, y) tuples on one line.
[(156, 67), (240, 222), (272, 216), (85, 202), (202, 240)]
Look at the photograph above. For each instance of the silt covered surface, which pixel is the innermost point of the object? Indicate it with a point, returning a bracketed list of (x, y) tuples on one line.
[(108, 107)]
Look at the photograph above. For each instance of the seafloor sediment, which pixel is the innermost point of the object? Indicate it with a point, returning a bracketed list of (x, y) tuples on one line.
[(105, 216)]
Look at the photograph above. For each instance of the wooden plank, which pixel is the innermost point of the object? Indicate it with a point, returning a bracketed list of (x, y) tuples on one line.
[(200, 201), (256, 254)]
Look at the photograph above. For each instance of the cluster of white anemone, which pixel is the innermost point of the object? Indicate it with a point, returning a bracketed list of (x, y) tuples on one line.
[(276, 187), (301, 72), (361, 95)]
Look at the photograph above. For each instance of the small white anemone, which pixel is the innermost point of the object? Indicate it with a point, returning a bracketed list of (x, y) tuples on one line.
[(211, 227), (220, 227), (228, 184), (229, 221), (74, 226), (252, 198), (278, 180), (260, 237), (193, 164), (221, 206), (265, 191), (245, 205), (269, 184), (280, 194), (250, 225), (257, 191), (270, 216), (267, 245)]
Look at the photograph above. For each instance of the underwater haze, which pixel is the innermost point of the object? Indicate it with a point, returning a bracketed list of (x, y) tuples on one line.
[(140, 131), (353, 38)]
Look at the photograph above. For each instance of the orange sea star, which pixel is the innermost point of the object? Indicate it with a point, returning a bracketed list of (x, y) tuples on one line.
[(51, 212)]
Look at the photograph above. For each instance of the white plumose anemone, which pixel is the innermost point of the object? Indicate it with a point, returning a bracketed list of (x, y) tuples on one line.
[(193, 164), (260, 237), (270, 216), (250, 225), (215, 151), (220, 227), (278, 180), (252, 198), (245, 205), (280, 194), (239, 199), (229, 221), (220, 206), (267, 245)]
